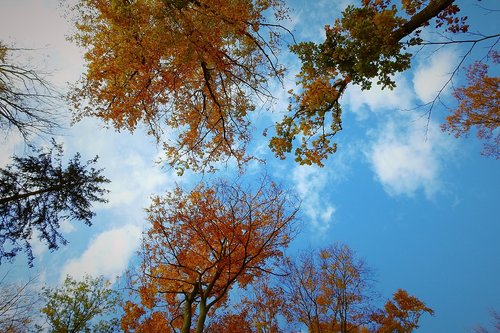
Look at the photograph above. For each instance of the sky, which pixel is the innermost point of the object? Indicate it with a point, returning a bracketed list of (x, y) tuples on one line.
[(420, 206)]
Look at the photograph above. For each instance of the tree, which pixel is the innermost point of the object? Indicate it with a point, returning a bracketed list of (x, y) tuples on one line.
[(345, 286), (37, 193), (18, 306), (27, 99), (76, 306), (401, 315), (370, 42), (303, 291), (200, 245), (195, 66), (479, 107), (329, 291)]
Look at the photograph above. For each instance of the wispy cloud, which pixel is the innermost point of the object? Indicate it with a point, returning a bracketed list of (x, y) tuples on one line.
[(128, 161), (108, 254), (407, 156), (432, 74), (377, 100), (311, 184)]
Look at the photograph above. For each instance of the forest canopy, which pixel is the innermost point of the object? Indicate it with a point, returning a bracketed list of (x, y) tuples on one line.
[(203, 79), (196, 69)]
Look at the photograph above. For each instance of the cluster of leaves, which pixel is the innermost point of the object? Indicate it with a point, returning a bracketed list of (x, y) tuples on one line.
[(194, 66), (368, 42), (200, 245), (77, 305), (37, 193), (479, 107), (401, 314)]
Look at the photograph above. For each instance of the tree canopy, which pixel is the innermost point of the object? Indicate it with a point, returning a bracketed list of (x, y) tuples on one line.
[(372, 42), (81, 306), (198, 67), (401, 314), (202, 244), (195, 66), (329, 290), (38, 193)]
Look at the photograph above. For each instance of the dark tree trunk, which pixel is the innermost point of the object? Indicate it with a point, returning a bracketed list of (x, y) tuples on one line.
[(17, 197)]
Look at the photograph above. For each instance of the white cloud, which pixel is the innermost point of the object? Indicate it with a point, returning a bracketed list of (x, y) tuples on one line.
[(134, 180), (405, 159), (310, 183), (432, 74), (108, 254), (128, 161), (377, 98)]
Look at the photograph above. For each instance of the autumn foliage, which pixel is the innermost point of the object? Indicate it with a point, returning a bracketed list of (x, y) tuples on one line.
[(260, 310), (200, 245), (400, 315), (479, 107), (192, 71), (370, 42), (323, 291), (194, 66)]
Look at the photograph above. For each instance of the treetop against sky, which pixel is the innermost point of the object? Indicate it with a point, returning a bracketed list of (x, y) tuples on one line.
[(194, 84)]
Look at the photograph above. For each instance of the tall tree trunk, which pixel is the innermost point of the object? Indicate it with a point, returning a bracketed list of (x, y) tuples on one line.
[(17, 197), (203, 310), (187, 315)]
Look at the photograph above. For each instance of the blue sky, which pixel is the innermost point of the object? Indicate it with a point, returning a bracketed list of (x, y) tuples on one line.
[(419, 206)]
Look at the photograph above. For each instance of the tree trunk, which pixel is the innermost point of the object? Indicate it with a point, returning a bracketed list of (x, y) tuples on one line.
[(202, 316), (186, 325), (17, 197)]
